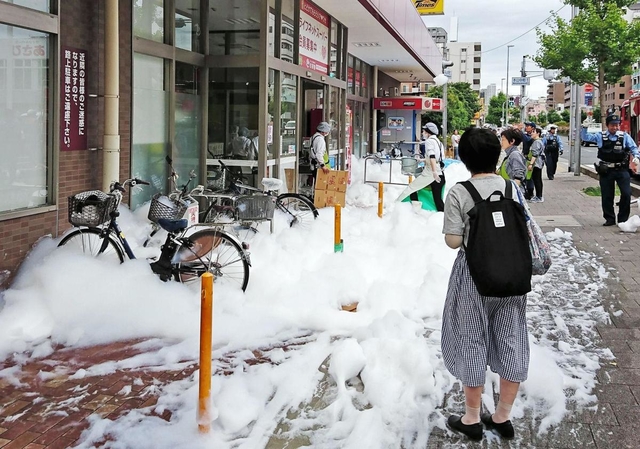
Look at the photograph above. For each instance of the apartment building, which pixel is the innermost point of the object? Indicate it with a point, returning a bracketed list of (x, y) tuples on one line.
[(467, 63), (555, 96)]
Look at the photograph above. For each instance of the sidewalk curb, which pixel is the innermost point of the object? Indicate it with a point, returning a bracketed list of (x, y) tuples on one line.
[(591, 172)]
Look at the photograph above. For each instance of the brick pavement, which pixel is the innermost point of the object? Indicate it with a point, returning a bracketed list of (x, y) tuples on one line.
[(48, 410)]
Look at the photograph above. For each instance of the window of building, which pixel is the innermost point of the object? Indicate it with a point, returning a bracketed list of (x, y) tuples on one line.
[(476, 81), (236, 31), (150, 140), (621, 97), (26, 174), (476, 70), (187, 24), (463, 50), (477, 59), (39, 5), (463, 72), (477, 47), (622, 84), (187, 121), (463, 61), (148, 19)]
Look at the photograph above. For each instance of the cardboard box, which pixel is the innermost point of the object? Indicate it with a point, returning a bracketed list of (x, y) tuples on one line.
[(289, 174), (331, 188)]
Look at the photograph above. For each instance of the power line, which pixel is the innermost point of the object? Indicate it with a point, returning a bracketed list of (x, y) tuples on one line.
[(526, 32)]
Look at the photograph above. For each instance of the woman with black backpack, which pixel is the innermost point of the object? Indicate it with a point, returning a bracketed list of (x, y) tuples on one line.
[(484, 318)]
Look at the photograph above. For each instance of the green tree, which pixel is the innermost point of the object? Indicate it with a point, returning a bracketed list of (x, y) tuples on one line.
[(553, 117), (542, 118), (495, 109), (598, 46), (462, 104), (596, 113), (566, 115)]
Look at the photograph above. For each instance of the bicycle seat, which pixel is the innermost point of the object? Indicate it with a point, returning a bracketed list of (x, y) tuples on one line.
[(173, 225), (272, 183)]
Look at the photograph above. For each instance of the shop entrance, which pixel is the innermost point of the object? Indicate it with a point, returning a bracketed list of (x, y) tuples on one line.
[(313, 94)]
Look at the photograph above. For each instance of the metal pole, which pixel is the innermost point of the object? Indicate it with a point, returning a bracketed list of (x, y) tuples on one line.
[(445, 52), (577, 119), (507, 81), (523, 73), (111, 138)]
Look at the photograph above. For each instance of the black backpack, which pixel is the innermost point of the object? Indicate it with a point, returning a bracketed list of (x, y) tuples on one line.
[(497, 250)]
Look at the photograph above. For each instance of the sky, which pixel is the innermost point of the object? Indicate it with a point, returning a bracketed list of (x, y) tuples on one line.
[(395, 267), (495, 24)]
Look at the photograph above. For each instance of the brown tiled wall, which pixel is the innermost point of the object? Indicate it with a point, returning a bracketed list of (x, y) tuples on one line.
[(81, 26)]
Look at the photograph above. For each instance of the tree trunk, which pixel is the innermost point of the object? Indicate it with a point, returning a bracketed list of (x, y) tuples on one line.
[(601, 92)]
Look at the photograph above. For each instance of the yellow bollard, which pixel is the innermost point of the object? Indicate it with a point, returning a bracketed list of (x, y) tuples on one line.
[(380, 197), (338, 245), (206, 325), (410, 179)]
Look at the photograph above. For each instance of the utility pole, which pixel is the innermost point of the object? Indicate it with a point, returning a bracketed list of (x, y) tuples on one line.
[(523, 73), (445, 65), (576, 118)]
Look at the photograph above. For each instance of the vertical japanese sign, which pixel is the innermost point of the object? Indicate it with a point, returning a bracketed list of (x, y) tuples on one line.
[(314, 38), (588, 95), (73, 131), (348, 130)]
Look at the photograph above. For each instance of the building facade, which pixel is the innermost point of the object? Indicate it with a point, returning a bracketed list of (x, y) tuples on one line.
[(616, 94), (555, 96), (467, 63), (94, 91)]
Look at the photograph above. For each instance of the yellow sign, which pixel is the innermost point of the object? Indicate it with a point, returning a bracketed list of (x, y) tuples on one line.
[(429, 7)]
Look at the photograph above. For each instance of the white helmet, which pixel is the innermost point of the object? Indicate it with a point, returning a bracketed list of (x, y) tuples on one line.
[(432, 128), (324, 127)]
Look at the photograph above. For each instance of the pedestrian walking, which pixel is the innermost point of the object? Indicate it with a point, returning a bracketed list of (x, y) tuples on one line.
[(514, 164), (535, 163), (480, 331), (616, 149), (455, 141), (552, 150), (319, 155), (434, 153)]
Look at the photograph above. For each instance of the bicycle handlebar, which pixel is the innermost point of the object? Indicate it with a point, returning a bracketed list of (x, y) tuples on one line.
[(129, 182)]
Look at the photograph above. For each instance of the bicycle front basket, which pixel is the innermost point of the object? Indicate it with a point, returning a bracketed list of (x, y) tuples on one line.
[(217, 179), (91, 208), (255, 207), (164, 207)]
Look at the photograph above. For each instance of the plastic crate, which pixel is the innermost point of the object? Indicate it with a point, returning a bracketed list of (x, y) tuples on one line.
[(91, 208), (255, 207), (164, 207)]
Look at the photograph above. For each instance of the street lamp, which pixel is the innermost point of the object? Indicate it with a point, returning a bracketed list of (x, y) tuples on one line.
[(508, 48), (502, 80)]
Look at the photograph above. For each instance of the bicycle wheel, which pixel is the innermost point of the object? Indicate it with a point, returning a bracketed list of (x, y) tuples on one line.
[(215, 252), (299, 209), (91, 240)]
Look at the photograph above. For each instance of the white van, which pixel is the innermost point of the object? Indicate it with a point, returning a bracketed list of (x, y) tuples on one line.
[(592, 128)]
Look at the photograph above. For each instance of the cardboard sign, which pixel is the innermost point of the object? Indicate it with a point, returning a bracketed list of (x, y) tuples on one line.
[(331, 188)]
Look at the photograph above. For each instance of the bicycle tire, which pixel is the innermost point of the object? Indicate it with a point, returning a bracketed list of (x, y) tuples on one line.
[(90, 240), (299, 209), (212, 251)]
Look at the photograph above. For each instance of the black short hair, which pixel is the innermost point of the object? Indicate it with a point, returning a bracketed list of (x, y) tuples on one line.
[(479, 150), (512, 134)]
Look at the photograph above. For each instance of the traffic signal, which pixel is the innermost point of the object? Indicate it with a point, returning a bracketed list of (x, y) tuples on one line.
[(512, 102)]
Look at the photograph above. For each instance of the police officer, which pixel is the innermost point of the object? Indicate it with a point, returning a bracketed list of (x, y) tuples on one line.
[(615, 150), (552, 150)]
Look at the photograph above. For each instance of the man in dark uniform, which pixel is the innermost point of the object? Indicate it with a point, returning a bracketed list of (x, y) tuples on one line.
[(615, 150), (527, 141)]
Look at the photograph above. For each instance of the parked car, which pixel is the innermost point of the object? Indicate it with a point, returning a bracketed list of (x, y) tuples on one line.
[(290, 127), (592, 128)]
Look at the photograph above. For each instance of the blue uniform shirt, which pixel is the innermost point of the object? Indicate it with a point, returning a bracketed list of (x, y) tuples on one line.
[(596, 138), (558, 139)]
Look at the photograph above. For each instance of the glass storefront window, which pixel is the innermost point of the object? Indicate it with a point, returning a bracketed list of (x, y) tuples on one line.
[(333, 57), (365, 79), (148, 19), (272, 25), (350, 74), (24, 174), (358, 78), (149, 133), (186, 152), (271, 110), (287, 36), (187, 23), (288, 113), (234, 30), (334, 117), (39, 5)]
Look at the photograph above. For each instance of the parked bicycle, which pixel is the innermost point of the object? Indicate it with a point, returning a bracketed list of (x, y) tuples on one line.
[(184, 256), (231, 201)]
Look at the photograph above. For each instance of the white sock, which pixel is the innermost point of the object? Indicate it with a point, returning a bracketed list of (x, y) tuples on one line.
[(503, 411), (472, 415)]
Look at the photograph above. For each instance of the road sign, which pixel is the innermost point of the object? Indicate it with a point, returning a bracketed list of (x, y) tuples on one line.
[(520, 81)]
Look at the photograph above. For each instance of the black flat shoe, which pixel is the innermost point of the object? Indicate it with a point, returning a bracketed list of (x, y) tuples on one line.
[(473, 431), (505, 429), (609, 223)]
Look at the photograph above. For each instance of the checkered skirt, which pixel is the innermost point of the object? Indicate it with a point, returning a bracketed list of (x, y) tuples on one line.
[(479, 330)]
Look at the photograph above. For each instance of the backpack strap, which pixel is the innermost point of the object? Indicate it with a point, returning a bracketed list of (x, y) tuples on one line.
[(508, 190), (472, 191)]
